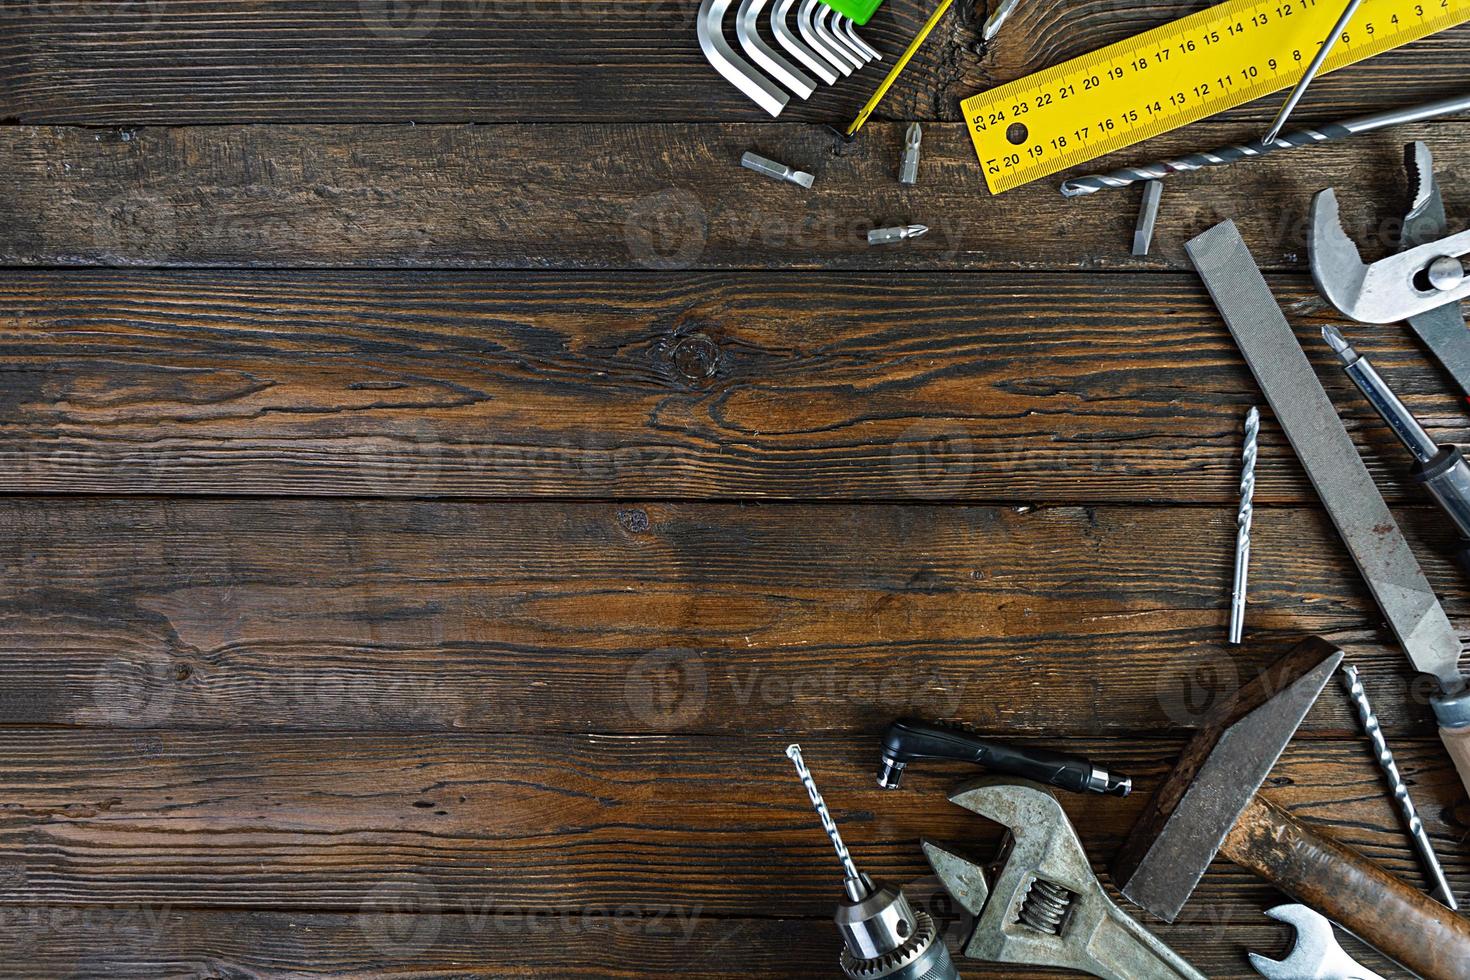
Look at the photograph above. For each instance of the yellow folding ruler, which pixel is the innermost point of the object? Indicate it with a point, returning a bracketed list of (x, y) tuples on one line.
[(1221, 57)]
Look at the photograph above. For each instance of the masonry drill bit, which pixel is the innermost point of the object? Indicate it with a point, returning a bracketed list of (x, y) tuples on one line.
[(886, 236), (1243, 524), (1300, 88), (1369, 721), (852, 880), (997, 20), (1081, 186), (908, 170)]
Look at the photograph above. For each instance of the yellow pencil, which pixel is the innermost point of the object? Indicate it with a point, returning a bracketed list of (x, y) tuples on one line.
[(898, 67)]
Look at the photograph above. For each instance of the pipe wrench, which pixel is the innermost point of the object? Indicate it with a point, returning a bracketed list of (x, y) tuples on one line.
[(1423, 284), (1044, 906)]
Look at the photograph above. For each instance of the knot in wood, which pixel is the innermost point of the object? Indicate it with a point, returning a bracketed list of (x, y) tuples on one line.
[(696, 357)]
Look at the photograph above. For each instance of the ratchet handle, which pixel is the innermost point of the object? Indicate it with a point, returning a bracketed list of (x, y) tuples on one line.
[(908, 739)]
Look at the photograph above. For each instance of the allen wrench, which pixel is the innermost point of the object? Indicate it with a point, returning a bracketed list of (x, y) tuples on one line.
[(764, 55), (735, 69), (849, 31), (821, 21), (788, 40), (808, 30)]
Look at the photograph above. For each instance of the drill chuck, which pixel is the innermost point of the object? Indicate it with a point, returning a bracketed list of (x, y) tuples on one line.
[(887, 939)]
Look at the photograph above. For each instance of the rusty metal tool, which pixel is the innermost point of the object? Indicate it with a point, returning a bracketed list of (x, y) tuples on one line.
[(1383, 755), (1210, 805), (1442, 329), (1044, 906), (1327, 453), (885, 937), (1315, 955)]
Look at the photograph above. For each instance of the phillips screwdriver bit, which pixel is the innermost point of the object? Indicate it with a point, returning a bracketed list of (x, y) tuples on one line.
[(885, 236), (908, 170)]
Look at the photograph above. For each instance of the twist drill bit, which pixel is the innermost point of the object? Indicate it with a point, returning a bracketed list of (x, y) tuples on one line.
[(1081, 186), (1300, 88), (908, 170), (852, 880), (1243, 524), (1369, 721)]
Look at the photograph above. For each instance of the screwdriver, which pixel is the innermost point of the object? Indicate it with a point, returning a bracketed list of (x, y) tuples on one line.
[(1442, 469)]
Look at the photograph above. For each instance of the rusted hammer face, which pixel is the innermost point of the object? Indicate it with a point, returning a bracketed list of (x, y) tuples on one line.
[(1209, 805)]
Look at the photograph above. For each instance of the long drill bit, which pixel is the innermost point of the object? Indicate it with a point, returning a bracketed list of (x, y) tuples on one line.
[(1081, 186), (1300, 88), (1243, 524), (1369, 720), (853, 882)]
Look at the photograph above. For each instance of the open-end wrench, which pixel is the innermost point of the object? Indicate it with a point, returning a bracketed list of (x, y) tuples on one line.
[(1316, 955), (1044, 906)]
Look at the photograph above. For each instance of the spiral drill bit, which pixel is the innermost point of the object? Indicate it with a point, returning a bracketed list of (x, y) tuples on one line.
[(1243, 524), (883, 935), (1417, 834), (1081, 186)]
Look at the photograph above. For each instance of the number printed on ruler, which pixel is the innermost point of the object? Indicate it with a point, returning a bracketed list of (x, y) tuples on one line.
[(1221, 57)]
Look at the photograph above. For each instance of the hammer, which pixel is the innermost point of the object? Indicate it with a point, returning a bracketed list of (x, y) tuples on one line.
[(1209, 804)]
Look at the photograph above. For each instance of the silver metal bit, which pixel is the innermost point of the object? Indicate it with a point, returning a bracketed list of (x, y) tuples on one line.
[(772, 168), (1384, 401), (908, 169), (852, 882), (1243, 524), (1148, 217), (1080, 186), (886, 236), (1420, 838), (1313, 68), (998, 19)]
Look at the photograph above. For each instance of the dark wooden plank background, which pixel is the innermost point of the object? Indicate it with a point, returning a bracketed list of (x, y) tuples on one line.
[(438, 483)]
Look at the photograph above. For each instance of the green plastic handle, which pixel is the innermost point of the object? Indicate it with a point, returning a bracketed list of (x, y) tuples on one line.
[(859, 11)]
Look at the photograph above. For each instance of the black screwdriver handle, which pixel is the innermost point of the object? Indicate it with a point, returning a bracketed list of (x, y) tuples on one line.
[(909, 739)]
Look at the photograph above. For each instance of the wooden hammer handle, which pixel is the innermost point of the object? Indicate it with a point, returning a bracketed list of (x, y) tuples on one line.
[(1398, 920)]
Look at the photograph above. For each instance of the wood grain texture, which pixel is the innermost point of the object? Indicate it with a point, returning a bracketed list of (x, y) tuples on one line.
[(1022, 388), (715, 826), (660, 617), (161, 943), (645, 195), (177, 61)]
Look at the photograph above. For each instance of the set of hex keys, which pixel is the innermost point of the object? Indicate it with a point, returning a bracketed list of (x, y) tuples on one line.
[(825, 42)]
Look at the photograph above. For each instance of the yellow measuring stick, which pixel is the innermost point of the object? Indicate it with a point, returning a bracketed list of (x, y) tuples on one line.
[(1221, 57), (898, 67)]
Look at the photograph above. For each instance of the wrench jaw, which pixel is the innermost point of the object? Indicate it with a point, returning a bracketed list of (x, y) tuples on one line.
[(1337, 267), (1314, 953)]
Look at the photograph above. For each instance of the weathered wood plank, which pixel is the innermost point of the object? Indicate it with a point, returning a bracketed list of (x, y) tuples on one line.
[(1024, 388), (149, 943), (713, 826), (664, 617), (638, 196), (178, 61)]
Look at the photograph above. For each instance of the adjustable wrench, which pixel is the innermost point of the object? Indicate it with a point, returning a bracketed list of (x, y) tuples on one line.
[(1426, 276), (1316, 954), (1044, 906)]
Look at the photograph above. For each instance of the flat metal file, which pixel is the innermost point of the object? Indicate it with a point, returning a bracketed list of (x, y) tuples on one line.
[(1337, 472)]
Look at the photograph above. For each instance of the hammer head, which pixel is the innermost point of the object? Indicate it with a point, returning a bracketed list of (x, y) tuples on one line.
[(1184, 825)]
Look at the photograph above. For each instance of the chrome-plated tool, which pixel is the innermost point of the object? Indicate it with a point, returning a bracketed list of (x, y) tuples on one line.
[(776, 169), (1327, 453), (1300, 89), (909, 739), (1368, 719), (1441, 469), (1243, 524), (883, 935), (1091, 184), (1442, 329), (806, 26), (997, 20), (781, 28), (1148, 217), (736, 70), (765, 56), (908, 168), (1315, 955), (886, 236), (1044, 906)]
